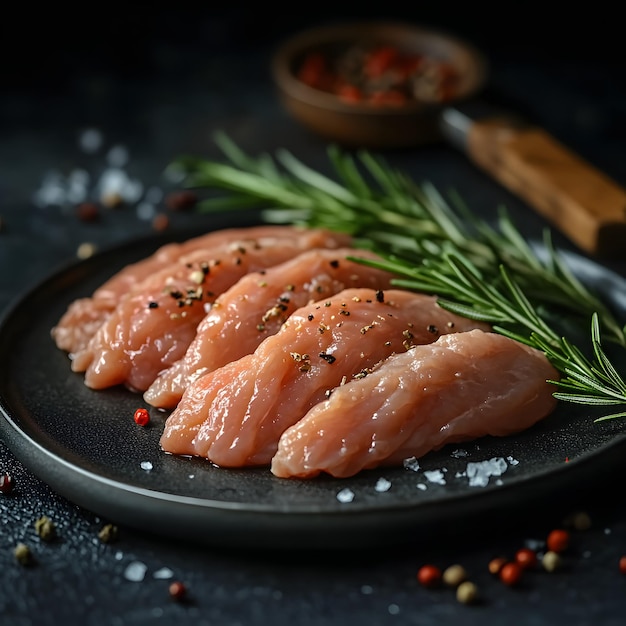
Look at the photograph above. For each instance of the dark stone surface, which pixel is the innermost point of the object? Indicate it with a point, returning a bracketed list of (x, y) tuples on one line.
[(159, 83)]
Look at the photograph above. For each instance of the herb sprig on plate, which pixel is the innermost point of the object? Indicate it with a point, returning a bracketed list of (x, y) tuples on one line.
[(438, 246)]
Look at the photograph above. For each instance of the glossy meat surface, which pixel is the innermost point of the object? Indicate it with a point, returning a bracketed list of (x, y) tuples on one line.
[(463, 386), (85, 315), (152, 327), (235, 415), (256, 307)]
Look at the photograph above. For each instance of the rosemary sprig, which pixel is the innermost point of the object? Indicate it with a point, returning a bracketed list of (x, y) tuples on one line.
[(481, 271)]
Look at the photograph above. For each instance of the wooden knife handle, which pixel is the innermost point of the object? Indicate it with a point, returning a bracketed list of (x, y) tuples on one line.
[(582, 202)]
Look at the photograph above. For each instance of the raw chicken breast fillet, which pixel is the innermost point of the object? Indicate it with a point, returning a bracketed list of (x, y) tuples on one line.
[(152, 327), (85, 315), (235, 415), (463, 386), (256, 307)]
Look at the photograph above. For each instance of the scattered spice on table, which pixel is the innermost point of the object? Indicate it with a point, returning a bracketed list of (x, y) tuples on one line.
[(551, 561), (182, 200), (6, 483), (558, 540), (160, 222), (88, 212), (511, 574), (45, 528), (454, 575), (467, 592), (108, 533), (85, 250), (526, 558), (177, 590), (23, 554), (429, 576)]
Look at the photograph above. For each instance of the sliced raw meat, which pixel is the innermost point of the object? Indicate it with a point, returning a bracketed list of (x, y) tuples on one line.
[(235, 415), (153, 326), (256, 307), (463, 386), (85, 315)]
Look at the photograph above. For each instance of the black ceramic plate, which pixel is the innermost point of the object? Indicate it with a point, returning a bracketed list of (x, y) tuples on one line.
[(86, 446)]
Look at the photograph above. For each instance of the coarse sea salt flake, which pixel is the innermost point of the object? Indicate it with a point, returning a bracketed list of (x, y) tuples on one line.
[(146, 465), (135, 571), (382, 484), (421, 486), (480, 473), (459, 454), (345, 495), (435, 476), (411, 464), (163, 574)]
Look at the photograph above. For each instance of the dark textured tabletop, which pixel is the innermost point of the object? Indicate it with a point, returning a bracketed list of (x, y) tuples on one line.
[(116, 97)]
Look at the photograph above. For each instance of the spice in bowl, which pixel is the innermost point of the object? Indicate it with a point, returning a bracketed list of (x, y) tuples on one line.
[(380, 75)]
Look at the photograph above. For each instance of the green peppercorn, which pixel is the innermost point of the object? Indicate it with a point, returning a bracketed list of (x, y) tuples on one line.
[(45, 528)]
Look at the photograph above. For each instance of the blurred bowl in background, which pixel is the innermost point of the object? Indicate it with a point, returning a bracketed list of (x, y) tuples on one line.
[(375, 84)]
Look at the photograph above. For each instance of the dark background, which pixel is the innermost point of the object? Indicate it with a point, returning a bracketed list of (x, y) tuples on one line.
[(159, 80)]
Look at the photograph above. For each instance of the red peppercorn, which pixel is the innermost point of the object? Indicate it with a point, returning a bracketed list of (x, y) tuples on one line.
[(622, 564), (526, 558), (142, 417), (429, 575), (160, 222), (6, 483), (88, 211), (558, 540), (495, 565), (511, 574), (177, 590), (181, 200)]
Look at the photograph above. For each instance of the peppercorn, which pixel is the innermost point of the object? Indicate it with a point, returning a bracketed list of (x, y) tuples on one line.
[(45, 528), (23, 555), (177, 590), (622, 564), (579, 521), (6, 483), (467, 592), (142, 417), (495, 565), (510, 574), (454, 575), (526, 558), (108, 533), (429, 575), (88, 212), (160, 222), (551, 561), (181, 200), (558, 540)]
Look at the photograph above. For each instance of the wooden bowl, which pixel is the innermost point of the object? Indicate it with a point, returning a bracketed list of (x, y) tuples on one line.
[(373, 122)]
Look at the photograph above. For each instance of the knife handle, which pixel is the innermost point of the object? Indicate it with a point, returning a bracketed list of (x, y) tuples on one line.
[(582, 202)]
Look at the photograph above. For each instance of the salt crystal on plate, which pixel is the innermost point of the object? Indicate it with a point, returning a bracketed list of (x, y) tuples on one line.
[(163, 574), (382, 484), (146, 465), (458, 454), (479, 473), (435, 476), (345, 495), (421, 486), (411, 464)]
